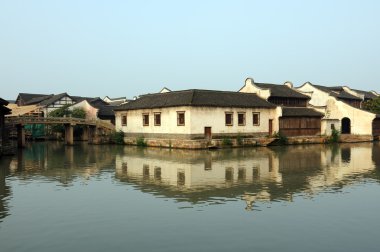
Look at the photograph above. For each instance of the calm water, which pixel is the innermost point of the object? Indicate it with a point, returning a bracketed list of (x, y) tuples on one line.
[(113, 198)]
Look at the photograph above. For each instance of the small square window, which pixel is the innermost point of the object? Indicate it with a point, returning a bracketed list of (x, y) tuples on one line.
[(145, 119), (157, 119), (124, 120), (229, 118), (180, 118), (241, 119), (256, 119)]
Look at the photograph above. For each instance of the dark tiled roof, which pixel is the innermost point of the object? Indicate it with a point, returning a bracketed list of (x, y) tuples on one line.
[(300, 112), (198, 98), (81, 98), (107, 110), (367, 95), (117, 103), (53, 99), (27, 96), (98, 102), (337, 92), (38, 99), (346, 95), (282, 91)]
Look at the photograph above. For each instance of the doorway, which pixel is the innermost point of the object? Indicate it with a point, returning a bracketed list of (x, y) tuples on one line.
[(270, 126), (346, 126), (208, 135)]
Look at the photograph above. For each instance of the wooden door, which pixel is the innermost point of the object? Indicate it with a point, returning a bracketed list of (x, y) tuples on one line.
[(270, 126), (208, 135)]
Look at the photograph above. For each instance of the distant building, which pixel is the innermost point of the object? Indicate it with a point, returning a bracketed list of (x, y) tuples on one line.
[(47, 103), (28, 99), (115, 101), (96, 108)]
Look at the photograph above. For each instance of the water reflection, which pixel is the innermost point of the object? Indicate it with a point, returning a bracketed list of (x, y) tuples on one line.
[(5, 190), (251, 175), (197, 177), (57, 162)]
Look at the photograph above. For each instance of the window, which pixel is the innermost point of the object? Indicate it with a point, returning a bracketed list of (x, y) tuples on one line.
[(241, 119), (180, 118), (145, 119), (157, 173), (145, 170), (256, 119), (157, 119), (229, 174), (124, 120), (229, 118)]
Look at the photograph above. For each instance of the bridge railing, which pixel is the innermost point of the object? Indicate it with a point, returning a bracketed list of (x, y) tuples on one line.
[(58, 120)]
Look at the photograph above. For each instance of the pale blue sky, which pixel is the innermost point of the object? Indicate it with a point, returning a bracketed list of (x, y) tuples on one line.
[(126, 48)]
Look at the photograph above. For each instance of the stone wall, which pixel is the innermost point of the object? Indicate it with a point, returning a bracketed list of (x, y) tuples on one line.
[(240, 142)]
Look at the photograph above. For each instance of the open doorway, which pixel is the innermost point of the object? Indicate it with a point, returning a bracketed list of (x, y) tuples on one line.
[(346, 126)]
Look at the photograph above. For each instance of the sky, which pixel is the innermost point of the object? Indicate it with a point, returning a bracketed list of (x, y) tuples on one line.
[(126, 48)]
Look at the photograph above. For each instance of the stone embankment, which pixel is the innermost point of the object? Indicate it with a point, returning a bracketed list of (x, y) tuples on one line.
[(243, 142)]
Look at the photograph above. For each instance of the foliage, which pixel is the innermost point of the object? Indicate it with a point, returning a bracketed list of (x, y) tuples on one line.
[(60, 112), (239, 139), (372, 105), (226, 141), (118, 137), (282, 139), (65, 112), (141, 142), (78, 113), (335, 136)]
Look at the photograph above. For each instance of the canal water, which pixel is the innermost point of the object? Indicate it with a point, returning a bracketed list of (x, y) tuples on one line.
[(114, 198)]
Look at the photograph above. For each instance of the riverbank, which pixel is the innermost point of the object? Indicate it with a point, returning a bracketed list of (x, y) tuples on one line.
[(242, 142)]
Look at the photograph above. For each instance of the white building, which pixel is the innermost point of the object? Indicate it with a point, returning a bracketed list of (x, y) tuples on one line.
[(197, 114), (342, 109)]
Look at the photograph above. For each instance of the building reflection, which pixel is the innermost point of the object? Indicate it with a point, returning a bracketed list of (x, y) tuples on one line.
[(252, 175), (63, 164), (5, 190), (249, 175)]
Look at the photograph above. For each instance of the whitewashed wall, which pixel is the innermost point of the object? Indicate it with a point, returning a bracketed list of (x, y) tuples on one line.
[(196, 119), (361, 121), (318, 97), (250, 87)]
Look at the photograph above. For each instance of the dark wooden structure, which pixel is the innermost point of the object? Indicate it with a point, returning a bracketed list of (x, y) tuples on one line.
[(300, 122), (283, 95), (3, 132)]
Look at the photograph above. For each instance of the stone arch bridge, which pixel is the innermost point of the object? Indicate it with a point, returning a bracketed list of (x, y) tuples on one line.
[(92, 133)]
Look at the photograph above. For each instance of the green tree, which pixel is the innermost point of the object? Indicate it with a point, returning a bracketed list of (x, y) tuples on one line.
[(372, 105), (65, 112), (78, 113)]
